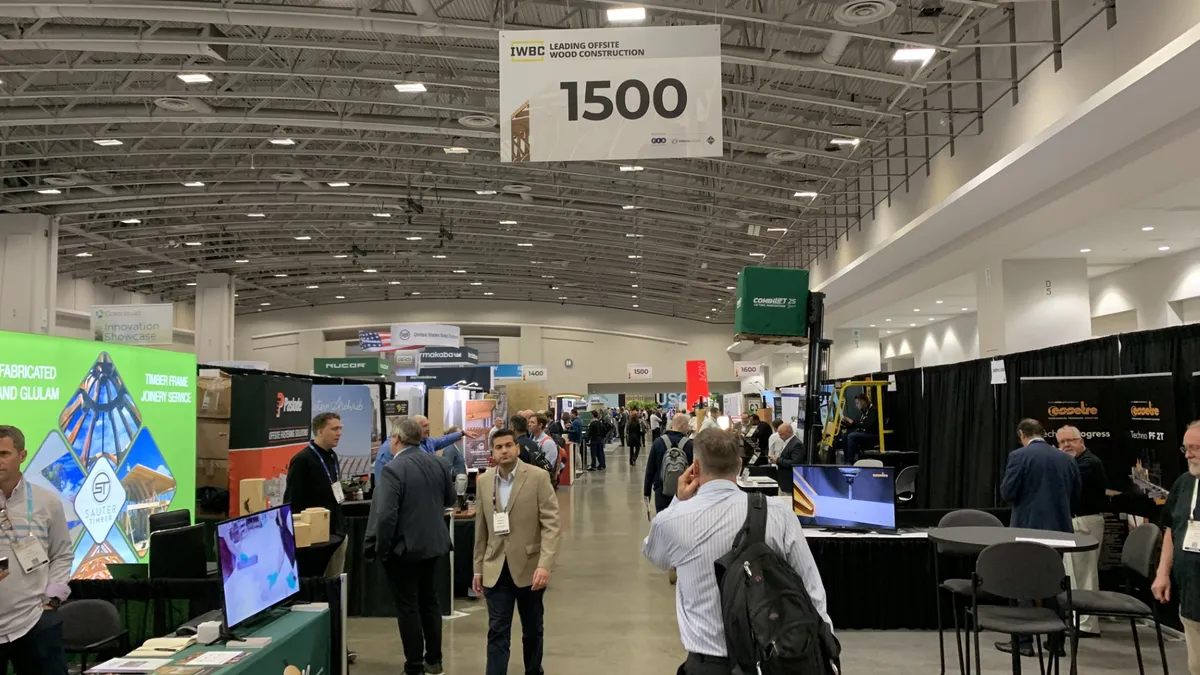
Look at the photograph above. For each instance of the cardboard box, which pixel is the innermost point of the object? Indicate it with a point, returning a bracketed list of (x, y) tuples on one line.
[(252, 499), (213, 396), (318, 518), (303, 535), (212, 473), (212, 439)]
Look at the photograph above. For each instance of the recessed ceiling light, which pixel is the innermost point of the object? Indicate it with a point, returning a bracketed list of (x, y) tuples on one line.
[(887, 319), (338, 183), (313, 287), (524, 244), (415, 293), (916, 310), (256, 215), (965, 309), (488, 293), (633, 285), (806, 194), (303, 237), (634, 236), (194, 78), (340, 297), (1164, 248), (370, 270), (1148, 228), (913, 325), (241, 260), (939, 302), (634, 306), (889, 332), (626, 14), (931, 318), (562, 297), (535, 262), (844, 141), (440, 257), (83, 254), (49, 191), (412, 239), (913, 54), (280, 275), (871, 326), (381, 214), (713, 309), (410, 87), (393, 283), (635, 257), (508, 222), (339, 256), (459, 271), (758, 255), (455, 150), (634, 297), (131, 221), (282, 141), (193, 243), (145, 271), (630, 207), (777, 229), (1085, 250), (476, 283), (190, 283), (547, 276), (264, 304), (107, 142), (731, 288), (194, 183), (632, 168), (485, 192)]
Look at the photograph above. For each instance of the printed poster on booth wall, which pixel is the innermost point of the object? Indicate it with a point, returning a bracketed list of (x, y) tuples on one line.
[(270, 421), (111, 430), (355, 405), (478, 415)]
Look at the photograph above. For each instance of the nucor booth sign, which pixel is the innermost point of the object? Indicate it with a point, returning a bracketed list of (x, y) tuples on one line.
[(772, 301)]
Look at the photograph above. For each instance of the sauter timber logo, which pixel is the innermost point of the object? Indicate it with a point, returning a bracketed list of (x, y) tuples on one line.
[(1072, 409), (777, 303), (1144, 410)]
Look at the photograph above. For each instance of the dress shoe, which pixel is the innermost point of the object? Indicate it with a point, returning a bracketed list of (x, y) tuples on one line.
[(1006, 647), (433, 669)]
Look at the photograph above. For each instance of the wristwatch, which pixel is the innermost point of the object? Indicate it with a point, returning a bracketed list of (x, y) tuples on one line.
[(52, 603)]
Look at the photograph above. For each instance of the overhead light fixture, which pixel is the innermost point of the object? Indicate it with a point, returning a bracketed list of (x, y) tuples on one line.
[(280, 275), (476, 283), (966, 309), (488, 293), (547, 276), (339, 256), (440, 257), (412, 239), (562, 297), (634, 297), (256, 215), (194, 183), (939, 302), (338, 183), (49, 191), (241, 260), (1164, 248), (282, 141), (193, 243), (916, 309), (634, 236), (83, 254), (758, 255), (887, 319), (535, 262), (912, 325), (264, 304), (190, 283), (871, 326), (393, 283), (381, 214), (485, 192), (633, 285), (1085, 250), (145, 271), (889, 332), (508, 222), (1148, 228), (415, 293), (629, 207), (340, 297), (194, 78), (731, 288), (635, 257), (526, 244), (455, 150), (632, 167), (777, 229), (554, 288), (410, 87), (845, 141), (634, 306), (913, 54), (370, 270), (107, 142), (626, 14), (313, 287), (303, 237), (131, 221), (459, 271), (809, 194)]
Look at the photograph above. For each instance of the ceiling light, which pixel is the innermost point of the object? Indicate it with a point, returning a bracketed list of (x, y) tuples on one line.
[(634, 297), (280, 275), (485, 192), (459, 271), (83, 254), (916, 310), (412, 239), (339, 256), (393, 283), (381, 214), (107, 142), (49, 191), (629, 207), (1164, 248), (313, 287), (631, 168), (131, 221), (370, 270), (338, 183), (193, 243), (241, 260), (806, 193), (524, 244), (415, 293), (713, 309), (340, 297), (476, 283), (190, 283), (963, 309), (634, 306), (887, 319), (731, 288), (440, 257), (303, 237), (194, 78), (562, 297), (410, 87), (889, 332), (1085, 250), (626, 14), (635, 257), (256, 215), (844, 141), (871, 326), (488, 293), (633, 285), (194, 183), (264, 304), (931, 318), (913, 54), (508, 222), (1148, 228), (535, 262), (145, 271), (912, 325), (455, 150), (777, 229), (758, 255), (939, 302), (554, 288), (547, 276), (282, 141)]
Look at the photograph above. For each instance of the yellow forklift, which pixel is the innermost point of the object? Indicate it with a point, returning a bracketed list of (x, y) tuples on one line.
[(837, 411)]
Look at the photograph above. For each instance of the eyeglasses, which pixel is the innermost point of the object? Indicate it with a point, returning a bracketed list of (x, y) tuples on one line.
[(1194, 449)]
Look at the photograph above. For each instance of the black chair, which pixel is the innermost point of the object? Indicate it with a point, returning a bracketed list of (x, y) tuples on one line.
[(92, 627), (957, 587), (906, 484), (1024, 572), (169, 520), (1139, 558)]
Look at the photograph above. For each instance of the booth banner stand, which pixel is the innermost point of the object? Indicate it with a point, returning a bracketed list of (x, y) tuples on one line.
[(355, 405), (478, 416), (269, 423)]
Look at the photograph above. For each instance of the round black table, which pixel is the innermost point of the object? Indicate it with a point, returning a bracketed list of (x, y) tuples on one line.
[(983, 537)]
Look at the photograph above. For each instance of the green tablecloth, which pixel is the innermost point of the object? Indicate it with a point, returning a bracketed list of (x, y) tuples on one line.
[(300, 639)]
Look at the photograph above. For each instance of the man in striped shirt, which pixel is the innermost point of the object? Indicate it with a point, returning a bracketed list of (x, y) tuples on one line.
[(708, 511)]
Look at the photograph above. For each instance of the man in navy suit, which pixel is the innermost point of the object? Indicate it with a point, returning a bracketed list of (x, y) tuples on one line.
[(1043, 485)]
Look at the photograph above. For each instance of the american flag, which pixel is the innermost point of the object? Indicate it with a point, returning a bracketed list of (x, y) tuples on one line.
[(374, 341)]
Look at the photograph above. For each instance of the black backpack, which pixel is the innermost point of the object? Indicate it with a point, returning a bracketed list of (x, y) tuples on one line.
[(771, 625)]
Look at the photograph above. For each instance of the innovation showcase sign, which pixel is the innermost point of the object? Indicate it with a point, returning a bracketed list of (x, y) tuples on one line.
[(133, 324)]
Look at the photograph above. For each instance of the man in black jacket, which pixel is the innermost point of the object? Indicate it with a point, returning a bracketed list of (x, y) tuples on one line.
[(520, 426), (759, 432), (406, 530), (313, 481), (863, 432), (596, 432), (676, 434), (1088, 519)]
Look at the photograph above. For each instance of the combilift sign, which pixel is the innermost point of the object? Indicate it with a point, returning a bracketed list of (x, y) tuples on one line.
[(772, 301)]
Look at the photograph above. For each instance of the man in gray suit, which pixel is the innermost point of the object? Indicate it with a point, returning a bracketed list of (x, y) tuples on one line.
[(407, 530)]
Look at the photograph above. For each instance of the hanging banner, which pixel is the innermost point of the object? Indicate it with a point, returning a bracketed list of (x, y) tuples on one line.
[(1150, 429), (697, 383), (610, 93), (639, 371), (448, 356), (133, 324), (361, 366), (409, 336), (353, 403)]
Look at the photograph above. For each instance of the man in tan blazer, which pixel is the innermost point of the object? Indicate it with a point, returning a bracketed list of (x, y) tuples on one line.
[(516, 537)]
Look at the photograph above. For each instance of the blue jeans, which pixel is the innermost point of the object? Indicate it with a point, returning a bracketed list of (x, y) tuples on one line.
[(598, 455), (38, 652), (857, 441), (500, 601)]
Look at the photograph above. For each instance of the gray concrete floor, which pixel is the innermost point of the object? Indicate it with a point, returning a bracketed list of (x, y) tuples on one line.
[(608, 611)]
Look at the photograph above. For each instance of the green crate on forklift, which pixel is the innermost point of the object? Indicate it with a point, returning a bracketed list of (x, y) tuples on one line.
[(772, 301)]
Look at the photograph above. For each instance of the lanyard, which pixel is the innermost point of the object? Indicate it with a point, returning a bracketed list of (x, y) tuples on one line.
[(29, 513), (1192, 513), (337, 469), (496, 492)]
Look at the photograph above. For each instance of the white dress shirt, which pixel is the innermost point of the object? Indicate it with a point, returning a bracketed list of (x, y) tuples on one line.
[(691, 535), (506, 486), (775, 445)]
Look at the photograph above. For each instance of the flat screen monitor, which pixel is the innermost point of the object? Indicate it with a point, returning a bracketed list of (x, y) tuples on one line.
[(178, 553), (170, 520), (257, 558), (844, 496)]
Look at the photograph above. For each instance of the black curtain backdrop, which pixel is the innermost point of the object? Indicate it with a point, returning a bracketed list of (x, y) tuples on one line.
[(959, 425), (1167, 350)]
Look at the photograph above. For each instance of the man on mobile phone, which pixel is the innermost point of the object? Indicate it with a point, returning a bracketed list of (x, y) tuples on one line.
[(33, 538)]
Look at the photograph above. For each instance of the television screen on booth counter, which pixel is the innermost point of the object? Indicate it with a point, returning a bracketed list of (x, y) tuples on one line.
[(257, 557), (844, 496)]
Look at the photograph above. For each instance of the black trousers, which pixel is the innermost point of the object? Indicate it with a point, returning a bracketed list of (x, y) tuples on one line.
[(500, 601), (414, 589), (598, 455), (38, 652), (700, 664)]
